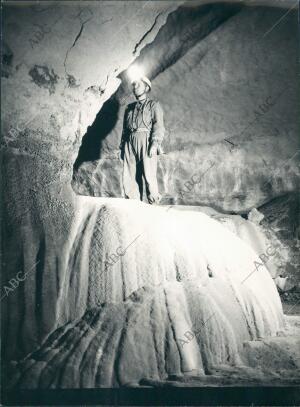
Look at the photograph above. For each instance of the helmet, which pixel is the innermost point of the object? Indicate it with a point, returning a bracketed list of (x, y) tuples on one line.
[(146, 81)]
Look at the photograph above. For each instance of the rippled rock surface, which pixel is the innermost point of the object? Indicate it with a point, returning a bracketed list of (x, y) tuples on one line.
[(167, 292)]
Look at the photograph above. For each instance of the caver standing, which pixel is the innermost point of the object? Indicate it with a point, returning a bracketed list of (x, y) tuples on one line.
[(143, 132)]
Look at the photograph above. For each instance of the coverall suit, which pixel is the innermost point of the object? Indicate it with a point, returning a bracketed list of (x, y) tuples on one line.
[(142, 127)]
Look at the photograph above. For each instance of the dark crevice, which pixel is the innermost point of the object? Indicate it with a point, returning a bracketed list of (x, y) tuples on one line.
[(76, 39), (40, 269), (184, 28), (80, 31), (6, 60), (147, 32)]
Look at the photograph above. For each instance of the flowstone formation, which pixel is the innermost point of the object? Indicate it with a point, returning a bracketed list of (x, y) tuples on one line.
[(149, 293)]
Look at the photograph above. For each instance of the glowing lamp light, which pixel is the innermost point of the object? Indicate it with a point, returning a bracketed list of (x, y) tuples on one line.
[(134, 73)]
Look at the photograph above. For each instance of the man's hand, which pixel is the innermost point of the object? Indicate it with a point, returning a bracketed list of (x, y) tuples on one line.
[(153, 150), (160, 150)]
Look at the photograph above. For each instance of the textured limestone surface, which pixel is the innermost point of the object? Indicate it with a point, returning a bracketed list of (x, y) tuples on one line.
[(282, 223), (147, 287), (80, 348), (61, 63), (275, 253)]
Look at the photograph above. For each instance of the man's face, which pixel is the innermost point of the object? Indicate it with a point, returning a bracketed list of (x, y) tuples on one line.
[(139, 87)]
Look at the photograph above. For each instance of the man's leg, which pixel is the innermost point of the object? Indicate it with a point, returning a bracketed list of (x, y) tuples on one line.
[(131, 189), (150, 174)]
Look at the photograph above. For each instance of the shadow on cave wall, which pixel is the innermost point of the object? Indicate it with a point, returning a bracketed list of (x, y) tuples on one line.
[(184, 27), (92, 140)]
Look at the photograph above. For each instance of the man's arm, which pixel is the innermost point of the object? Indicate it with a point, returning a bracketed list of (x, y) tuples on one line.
[(158, 129)]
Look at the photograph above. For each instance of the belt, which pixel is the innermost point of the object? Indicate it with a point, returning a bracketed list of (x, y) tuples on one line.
[(140, 129)]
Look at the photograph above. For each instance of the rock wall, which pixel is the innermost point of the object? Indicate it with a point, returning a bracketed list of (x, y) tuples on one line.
[(61, 63), (230, 111)]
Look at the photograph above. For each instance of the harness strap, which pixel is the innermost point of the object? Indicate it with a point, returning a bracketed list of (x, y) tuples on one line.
[(140, 129)]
